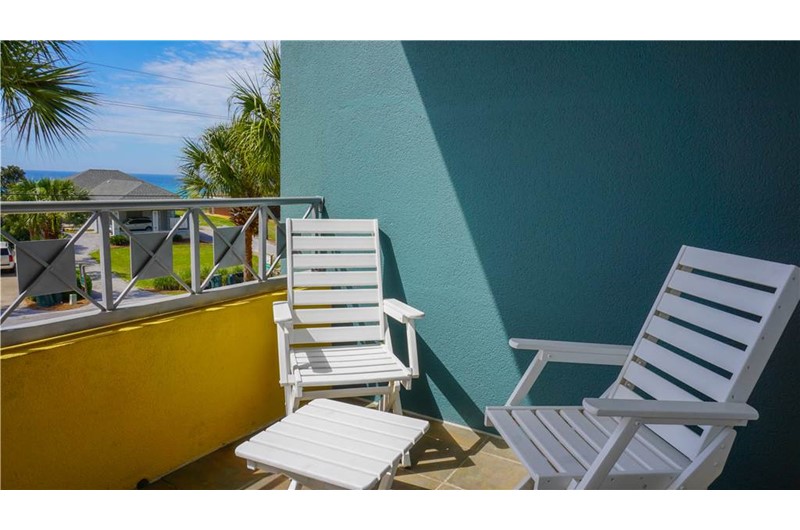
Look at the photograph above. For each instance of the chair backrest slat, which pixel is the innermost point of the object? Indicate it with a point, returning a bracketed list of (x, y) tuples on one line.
[(696, 376), (711, 331), (752, 270), (725, 293), (336, 297), (334, 281), (337, 335), (681, 438), (704, 348), (727, 325), (340, 315)]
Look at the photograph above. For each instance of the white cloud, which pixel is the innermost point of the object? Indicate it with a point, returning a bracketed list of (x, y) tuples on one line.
[(197, 61), (209, 63)]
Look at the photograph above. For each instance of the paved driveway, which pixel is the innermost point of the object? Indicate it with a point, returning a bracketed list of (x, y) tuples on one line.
[(8, 288)]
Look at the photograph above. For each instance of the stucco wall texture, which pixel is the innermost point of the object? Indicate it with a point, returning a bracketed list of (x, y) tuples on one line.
[(534, 189), (110, 407)]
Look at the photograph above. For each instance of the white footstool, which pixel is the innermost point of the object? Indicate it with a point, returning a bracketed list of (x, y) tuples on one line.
[(332, 445)]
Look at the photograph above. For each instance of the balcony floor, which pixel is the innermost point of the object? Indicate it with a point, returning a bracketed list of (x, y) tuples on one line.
[(447, 457)]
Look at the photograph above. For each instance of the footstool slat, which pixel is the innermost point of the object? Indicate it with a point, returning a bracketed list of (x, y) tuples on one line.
[(332, 444), (302, 466), (391, 419), (313, 449), (365, 424), (355, 447), (350, 432)]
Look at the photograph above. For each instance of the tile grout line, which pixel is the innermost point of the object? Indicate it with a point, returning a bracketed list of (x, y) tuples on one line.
[(477, 449), (511, 460)]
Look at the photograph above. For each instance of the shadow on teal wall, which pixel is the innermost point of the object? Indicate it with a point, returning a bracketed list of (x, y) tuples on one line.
[(544, 189), (595, 162)]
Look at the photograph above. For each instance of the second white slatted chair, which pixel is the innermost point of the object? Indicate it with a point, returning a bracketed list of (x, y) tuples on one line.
[(667, 421), (333, 333)]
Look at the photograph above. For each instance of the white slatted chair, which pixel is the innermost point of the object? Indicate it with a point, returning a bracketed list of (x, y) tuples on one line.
[(667, 421), (332, 330)]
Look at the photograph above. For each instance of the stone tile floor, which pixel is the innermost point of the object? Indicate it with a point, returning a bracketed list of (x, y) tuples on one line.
[(448, 457)]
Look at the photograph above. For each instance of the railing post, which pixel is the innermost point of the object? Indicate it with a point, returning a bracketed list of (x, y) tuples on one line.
[(194, 249), (280, 243), (262, 242), (107, 289)]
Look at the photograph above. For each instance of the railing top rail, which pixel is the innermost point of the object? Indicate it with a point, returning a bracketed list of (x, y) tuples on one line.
[(151, 204)]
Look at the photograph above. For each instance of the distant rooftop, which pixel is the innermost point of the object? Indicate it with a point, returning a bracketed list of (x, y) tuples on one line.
[(112, 184)]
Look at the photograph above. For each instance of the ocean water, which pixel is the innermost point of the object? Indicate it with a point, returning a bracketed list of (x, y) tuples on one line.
[(168, 182)]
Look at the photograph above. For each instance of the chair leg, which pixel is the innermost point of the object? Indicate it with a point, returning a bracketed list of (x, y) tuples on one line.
[(525, 484), (391, 400), (388, 478), (290, 400), (397, 407)]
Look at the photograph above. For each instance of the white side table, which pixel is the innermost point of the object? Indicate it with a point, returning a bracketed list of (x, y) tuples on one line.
[(332, 445)]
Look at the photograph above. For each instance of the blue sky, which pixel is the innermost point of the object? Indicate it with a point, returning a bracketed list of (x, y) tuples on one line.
[(156, 149)]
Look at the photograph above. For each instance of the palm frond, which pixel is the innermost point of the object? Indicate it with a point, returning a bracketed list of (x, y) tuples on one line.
[(43, 100)]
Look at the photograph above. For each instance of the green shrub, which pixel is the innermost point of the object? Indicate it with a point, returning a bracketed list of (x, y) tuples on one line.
[(120, 241), (228, 272), (88, 286), (166, 283)]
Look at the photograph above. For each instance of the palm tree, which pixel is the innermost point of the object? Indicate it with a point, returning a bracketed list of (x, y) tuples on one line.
[(44, 99), (240, 159), (214, 166), (41, 225), (256, 106)]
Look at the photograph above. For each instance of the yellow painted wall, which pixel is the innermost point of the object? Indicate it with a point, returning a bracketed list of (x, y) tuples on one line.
[(109, 407)]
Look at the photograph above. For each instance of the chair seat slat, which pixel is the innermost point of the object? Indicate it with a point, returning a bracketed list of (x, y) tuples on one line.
[(648, 439), (597, 439), (591, 430), (333, 379), (336, 334), (551, 448), (533, 460)]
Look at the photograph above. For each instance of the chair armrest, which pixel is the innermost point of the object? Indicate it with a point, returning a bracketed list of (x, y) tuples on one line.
[(575, 352), (564, 352), (673, 412), (281, 312), (283, 317), (400, 311), (407, 315)]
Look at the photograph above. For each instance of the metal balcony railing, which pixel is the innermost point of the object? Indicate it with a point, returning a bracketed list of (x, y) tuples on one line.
[(49, 266)]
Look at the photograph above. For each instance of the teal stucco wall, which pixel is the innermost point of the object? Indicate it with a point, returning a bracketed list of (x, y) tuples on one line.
[(544, 189)]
